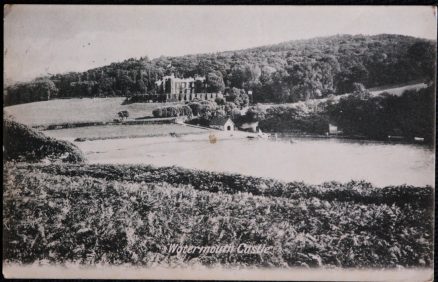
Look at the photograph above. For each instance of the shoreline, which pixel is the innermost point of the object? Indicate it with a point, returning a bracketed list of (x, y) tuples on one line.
[(209, 134), (244, 135), (237, 134), (348, 137)]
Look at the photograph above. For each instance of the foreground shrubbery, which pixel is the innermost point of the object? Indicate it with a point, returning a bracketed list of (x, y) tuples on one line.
[(22, 143), (360, 192), (128, 214)]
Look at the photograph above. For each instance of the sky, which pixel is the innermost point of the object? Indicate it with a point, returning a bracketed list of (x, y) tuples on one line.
[(49, 39)]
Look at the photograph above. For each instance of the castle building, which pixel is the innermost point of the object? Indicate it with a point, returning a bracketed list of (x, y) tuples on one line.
[(173, 89)]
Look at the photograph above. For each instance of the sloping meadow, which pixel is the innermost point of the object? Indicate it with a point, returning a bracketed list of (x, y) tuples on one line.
[(91, 214)]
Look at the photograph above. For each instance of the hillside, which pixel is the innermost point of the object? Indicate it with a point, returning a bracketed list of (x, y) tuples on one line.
[(286, 72), (126, 220), (87, 110)]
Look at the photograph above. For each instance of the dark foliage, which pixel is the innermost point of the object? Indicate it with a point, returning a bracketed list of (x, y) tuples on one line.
[(286, 72), (360, 114), (359, 192), (22, 143), (172, 111), (129, 214), (300, 118), (409, 115)]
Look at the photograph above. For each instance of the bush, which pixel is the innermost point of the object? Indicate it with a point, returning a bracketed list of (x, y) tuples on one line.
[(255, 114), (238, 97), (195, 107), (123, 114), (157, 112), (220, 101), (173, 111), (23, 144), (185, 110)]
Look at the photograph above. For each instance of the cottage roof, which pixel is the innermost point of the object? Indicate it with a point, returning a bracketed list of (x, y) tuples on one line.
[(220, 121)]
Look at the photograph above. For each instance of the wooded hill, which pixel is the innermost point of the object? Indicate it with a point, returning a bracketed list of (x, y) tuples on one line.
[(286, 72)]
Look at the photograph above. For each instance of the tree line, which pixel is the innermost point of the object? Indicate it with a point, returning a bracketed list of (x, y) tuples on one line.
[(359, 114), (287, 72)]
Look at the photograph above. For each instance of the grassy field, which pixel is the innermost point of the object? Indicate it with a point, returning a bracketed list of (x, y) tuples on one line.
[(122, 131), (77, 110), (130, 214), (395, 87), (105, 109)]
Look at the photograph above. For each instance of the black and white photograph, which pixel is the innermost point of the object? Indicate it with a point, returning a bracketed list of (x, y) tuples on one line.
[(219, 142)]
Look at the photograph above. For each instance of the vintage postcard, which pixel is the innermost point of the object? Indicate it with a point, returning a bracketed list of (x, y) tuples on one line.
[(219, 142)]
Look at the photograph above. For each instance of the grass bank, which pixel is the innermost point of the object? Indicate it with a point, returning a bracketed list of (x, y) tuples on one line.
[(130, 214), (22, 143), (75, 110), (122, 131)]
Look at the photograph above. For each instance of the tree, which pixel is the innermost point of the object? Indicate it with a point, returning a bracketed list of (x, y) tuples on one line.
[(157, 112), (285, 72), (140, 86), (254, 114), (208, 108), (196, 108), (219, 113), (123, 115), (235, 114), (360, 91), (46, 88), (199, 86), (422, 54), (185, 110), (229, 106), (358, 116), (215, 82), (238, 97), (172, 111), (220, 101)]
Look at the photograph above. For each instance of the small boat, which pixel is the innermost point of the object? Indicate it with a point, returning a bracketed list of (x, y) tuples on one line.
[(273, 136), (418, 139), (392, 137), (260, 134), (250, 137)]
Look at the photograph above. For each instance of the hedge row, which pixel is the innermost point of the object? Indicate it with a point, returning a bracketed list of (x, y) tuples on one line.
[(172, 111)]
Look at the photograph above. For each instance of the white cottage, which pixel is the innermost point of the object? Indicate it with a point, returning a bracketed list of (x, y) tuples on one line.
[(222, 123), (333, 129)]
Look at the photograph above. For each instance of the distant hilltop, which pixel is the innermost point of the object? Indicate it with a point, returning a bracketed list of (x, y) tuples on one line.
[(286, 72)]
